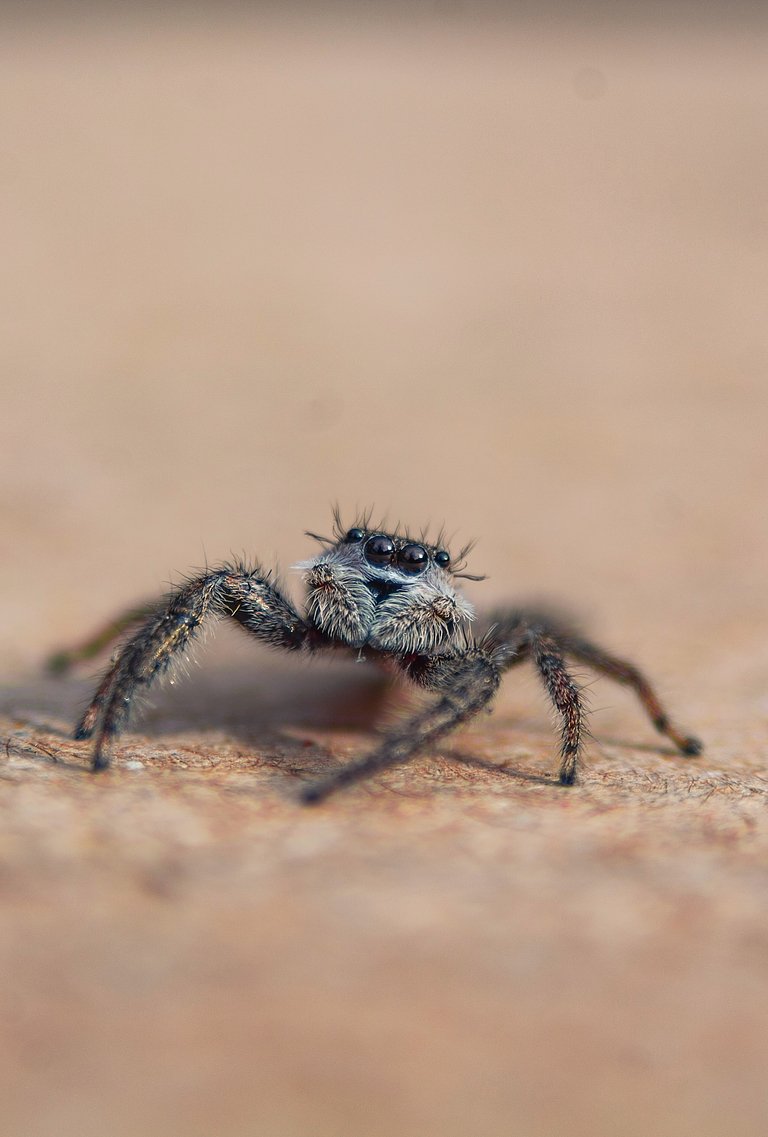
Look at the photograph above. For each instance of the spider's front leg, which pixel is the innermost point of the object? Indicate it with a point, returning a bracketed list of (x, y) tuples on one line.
[(246, 595), (465, 684), (565, 694)]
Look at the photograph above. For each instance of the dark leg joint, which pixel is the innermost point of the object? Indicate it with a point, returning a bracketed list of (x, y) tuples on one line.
[(686, 743), (313, 795)]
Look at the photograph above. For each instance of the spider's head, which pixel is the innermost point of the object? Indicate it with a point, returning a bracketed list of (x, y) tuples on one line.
[(388, 590)]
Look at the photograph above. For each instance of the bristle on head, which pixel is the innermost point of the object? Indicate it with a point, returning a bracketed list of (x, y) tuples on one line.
[(363, 519)]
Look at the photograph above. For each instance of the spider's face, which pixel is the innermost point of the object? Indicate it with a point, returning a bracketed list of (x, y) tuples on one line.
[(386, 590)]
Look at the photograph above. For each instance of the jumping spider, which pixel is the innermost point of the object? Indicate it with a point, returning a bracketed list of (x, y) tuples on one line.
[(384, 597)]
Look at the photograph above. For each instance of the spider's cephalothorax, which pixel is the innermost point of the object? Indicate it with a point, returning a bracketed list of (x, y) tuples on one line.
[(384, 596), (384, 591)]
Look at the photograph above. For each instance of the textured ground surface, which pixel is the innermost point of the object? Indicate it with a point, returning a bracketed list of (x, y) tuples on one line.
[(453, 946), (509, 276)]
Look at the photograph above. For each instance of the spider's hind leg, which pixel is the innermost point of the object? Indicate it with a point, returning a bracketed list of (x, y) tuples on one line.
[(523, 633), (64, 660), (630, 676)]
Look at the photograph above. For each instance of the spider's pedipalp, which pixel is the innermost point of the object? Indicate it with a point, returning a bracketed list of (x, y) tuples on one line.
[(338, 601), (420, 620)]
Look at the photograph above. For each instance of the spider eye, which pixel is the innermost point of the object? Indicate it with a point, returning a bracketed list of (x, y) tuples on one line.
[(355, 534), (442, 558), (413, 558), (379, 549)]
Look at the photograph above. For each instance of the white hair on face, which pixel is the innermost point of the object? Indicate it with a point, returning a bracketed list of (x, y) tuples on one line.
[(339, 601), (412, 614), (420, 619)]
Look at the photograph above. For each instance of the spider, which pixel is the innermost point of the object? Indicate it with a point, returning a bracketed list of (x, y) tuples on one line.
[(382, 596)]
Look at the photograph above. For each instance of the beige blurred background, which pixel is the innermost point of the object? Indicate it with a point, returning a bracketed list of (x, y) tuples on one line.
[(496, 269), (503, 274)]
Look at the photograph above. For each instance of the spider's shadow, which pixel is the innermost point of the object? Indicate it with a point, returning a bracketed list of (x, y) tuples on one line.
[(501, 770), (645, 747), (262, 707)]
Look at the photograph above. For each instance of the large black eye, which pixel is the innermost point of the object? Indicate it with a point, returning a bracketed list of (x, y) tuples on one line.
[(442, 558), (413, 558), (355, 534), (379, 550)]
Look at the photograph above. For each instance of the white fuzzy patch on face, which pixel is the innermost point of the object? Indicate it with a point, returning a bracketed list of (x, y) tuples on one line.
[(339, 603), (356, 603), (422, 618)]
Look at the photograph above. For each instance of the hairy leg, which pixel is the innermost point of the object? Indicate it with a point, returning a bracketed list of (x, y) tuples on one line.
[(465, 685), (566, 697), (513, 628), (247, 596), (630, 676)]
